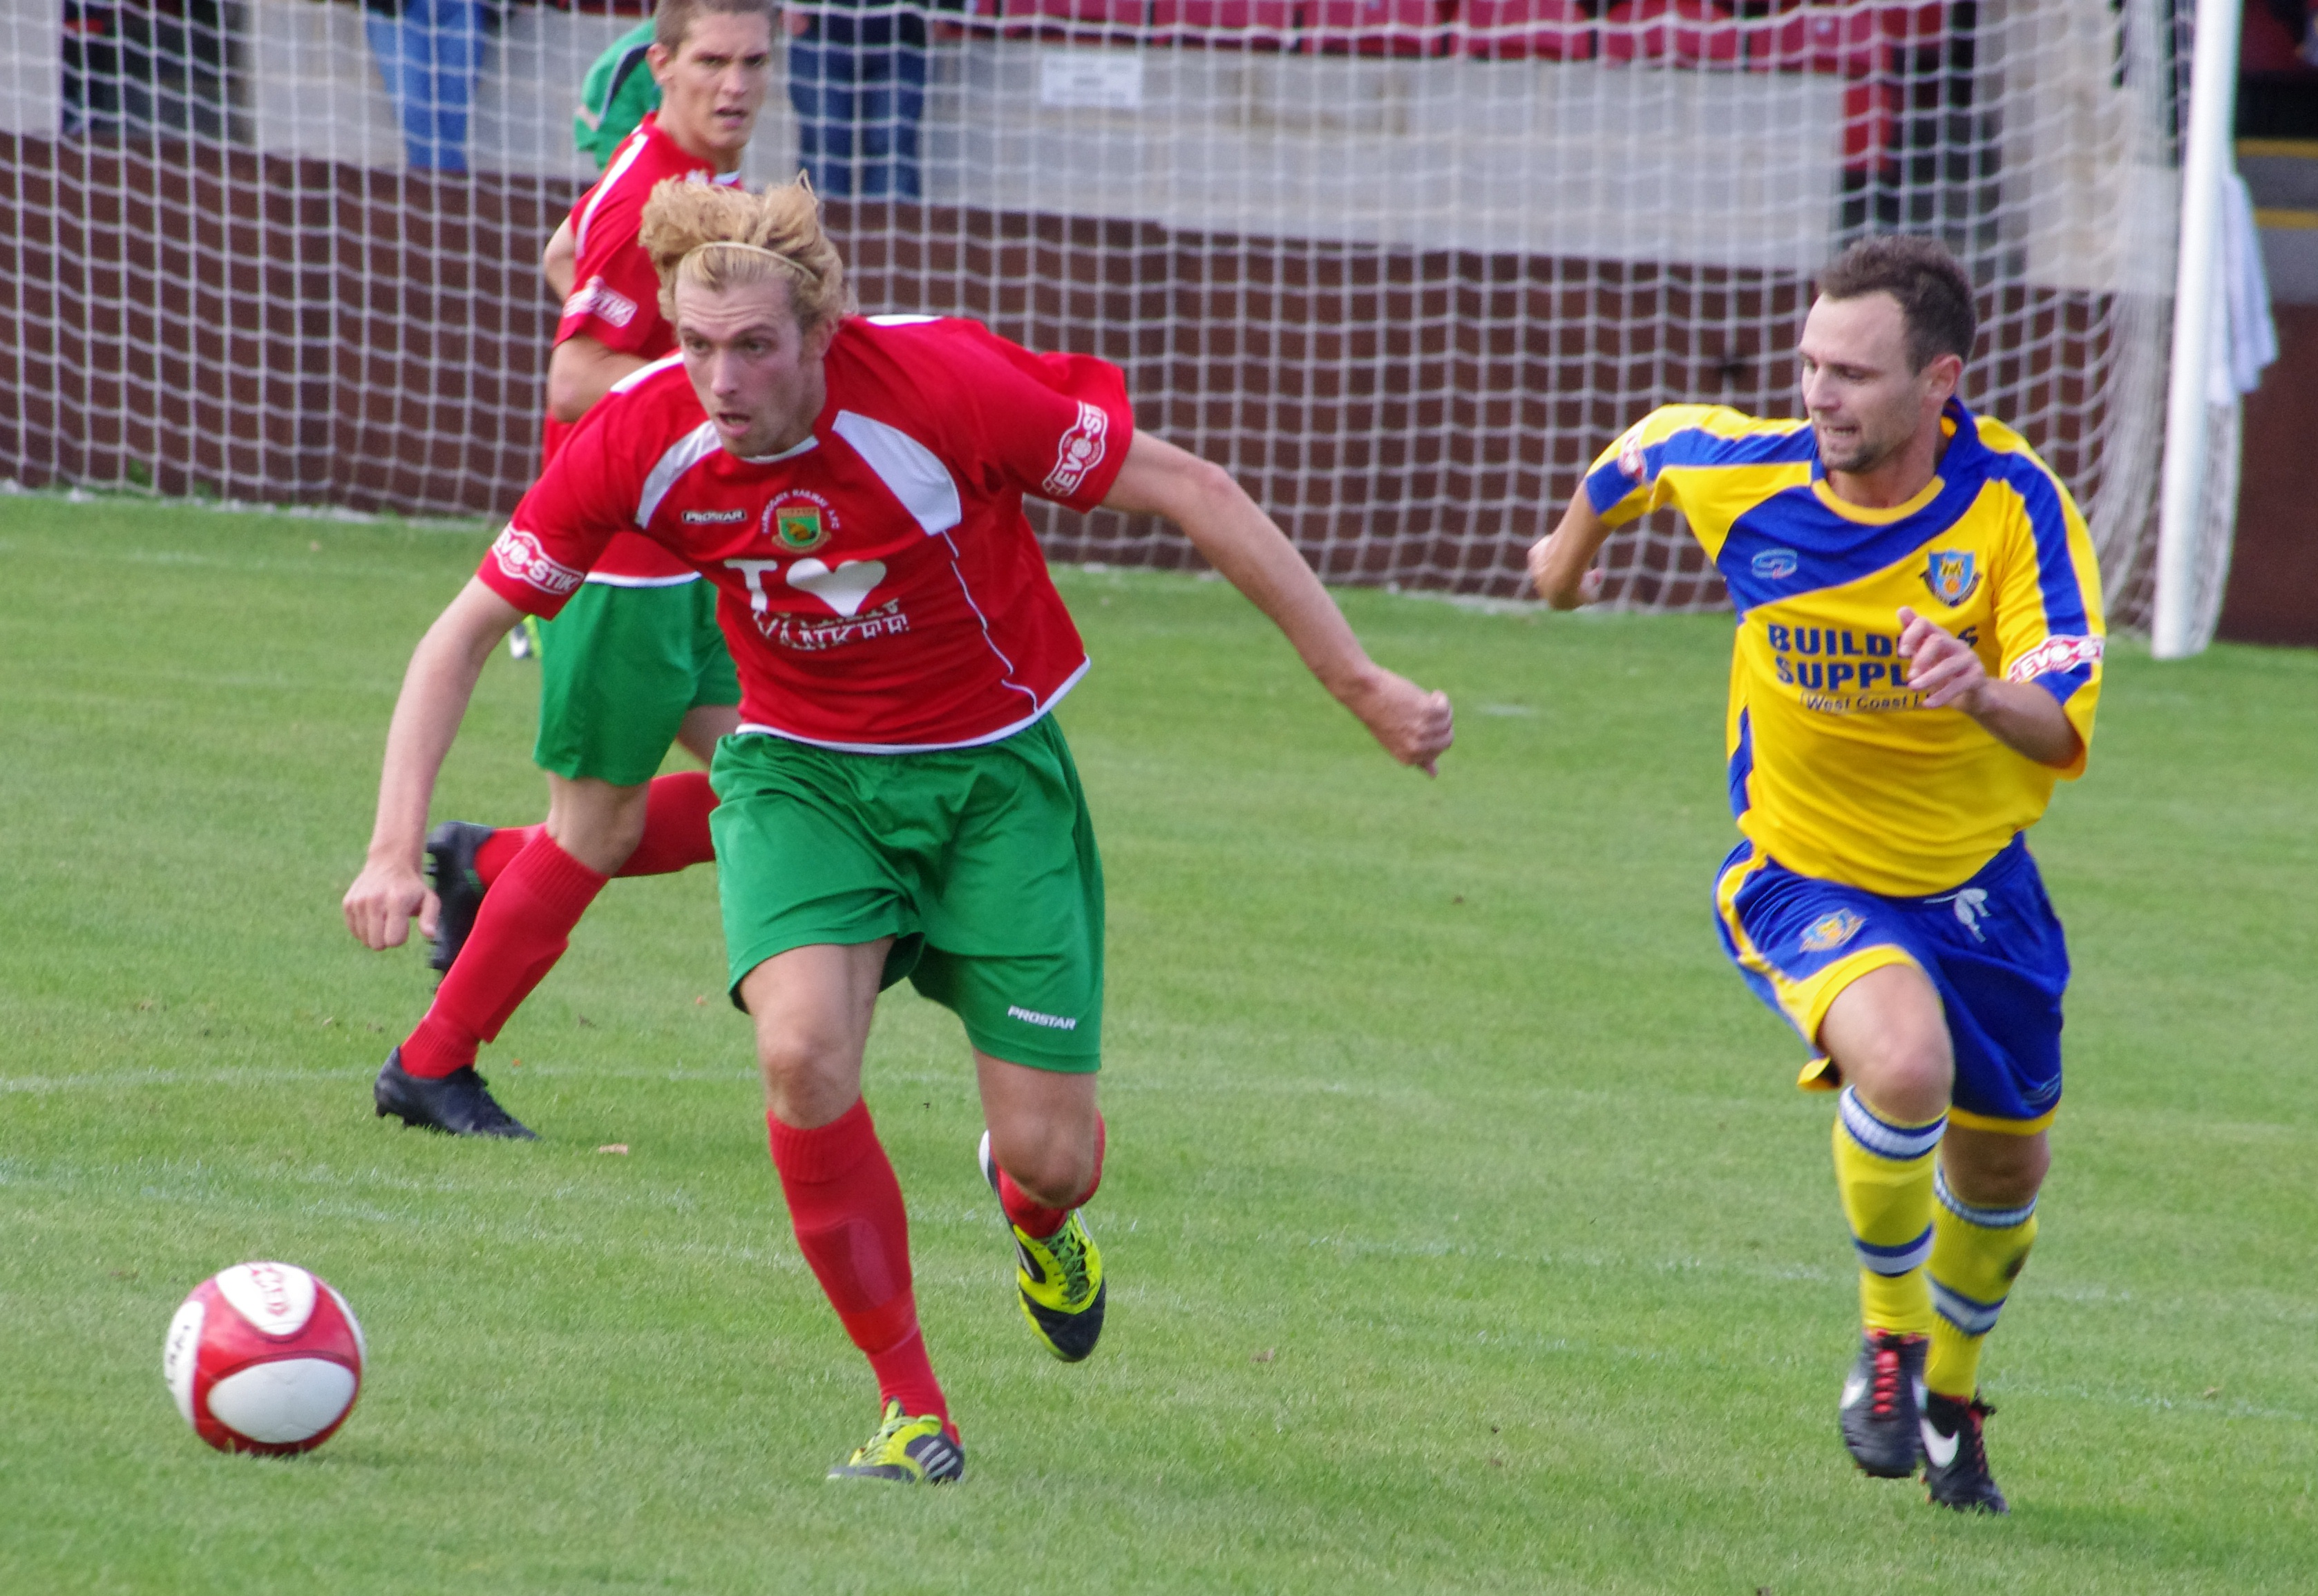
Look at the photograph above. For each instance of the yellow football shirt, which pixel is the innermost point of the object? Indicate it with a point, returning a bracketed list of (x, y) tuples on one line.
[(1837, 768)]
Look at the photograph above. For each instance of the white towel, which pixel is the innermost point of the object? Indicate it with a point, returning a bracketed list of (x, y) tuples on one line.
[(2245, 338)]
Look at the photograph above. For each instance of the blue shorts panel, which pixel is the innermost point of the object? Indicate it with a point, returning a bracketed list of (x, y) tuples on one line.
[(1992, 949)]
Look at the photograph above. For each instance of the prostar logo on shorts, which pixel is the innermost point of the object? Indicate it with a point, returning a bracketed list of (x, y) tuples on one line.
[(2056, 654), (1830, 931), (1080, 451), (595, 298), (520, 555)]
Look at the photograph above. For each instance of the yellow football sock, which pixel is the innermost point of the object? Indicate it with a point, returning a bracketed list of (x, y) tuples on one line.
[(1976, 1255), (1883, 1173)]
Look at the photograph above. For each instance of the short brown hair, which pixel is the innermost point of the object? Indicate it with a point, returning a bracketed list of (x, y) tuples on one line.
[(672, 19), (1934, 291), (780, 227)]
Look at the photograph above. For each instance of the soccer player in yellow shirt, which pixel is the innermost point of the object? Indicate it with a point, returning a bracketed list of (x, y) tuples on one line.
[(1918, 659)]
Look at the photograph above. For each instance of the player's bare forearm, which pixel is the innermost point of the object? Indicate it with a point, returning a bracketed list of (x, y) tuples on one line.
[(560, 261), (1949, 674), (1561, 563), (1243, 543), (580, 372), (435, 689)]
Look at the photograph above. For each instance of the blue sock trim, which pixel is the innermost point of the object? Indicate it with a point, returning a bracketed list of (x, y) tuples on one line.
[(1894, 1260), (1985, 1218), (1973, 1317), (1898, 1143)]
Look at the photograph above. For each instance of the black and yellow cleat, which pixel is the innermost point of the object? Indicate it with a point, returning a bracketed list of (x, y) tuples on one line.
[(909, 1451), (1955, 1456), (1060, 1278)]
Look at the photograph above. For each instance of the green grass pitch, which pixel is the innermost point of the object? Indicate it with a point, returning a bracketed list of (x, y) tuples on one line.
[(1466, 1234)]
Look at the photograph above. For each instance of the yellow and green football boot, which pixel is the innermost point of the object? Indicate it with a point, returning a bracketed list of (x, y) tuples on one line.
[(1060, 1278), (912, 1451)]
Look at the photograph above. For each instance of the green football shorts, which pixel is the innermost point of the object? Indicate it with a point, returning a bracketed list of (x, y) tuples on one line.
[(618, 670), (980, 863)]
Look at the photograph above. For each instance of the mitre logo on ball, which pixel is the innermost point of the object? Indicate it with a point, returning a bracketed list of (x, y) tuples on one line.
[(263, 1358)]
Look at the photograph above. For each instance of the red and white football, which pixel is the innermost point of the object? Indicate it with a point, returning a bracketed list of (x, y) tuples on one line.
[(263, 1358)]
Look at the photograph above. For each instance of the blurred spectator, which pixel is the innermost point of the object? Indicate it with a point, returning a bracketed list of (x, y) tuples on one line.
[(857, 82), (616, 95), (144, 66), (430, 53), (2301, 23)]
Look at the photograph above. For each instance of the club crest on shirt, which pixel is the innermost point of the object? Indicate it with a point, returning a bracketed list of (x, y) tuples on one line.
[(799, 522), (1831, 931), (1952, 575)]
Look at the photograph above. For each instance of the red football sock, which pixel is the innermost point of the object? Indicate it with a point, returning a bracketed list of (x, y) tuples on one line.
[(846, 1207), (1033, 1218), (521, 930), (676, 825), (500, 847)]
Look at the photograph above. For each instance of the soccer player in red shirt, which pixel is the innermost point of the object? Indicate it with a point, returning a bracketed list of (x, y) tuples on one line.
[(898, 801), (636, 660)]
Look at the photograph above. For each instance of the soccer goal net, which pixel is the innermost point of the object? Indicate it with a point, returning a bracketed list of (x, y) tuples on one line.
[(1403, 266)]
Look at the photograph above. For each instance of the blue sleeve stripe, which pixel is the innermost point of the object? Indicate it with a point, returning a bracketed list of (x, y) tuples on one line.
[(1697, 446), (2062, 684), (1606, 485), (2056, 573)]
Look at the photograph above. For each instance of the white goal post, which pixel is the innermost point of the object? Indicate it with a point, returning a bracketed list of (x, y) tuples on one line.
[(1403, 265)]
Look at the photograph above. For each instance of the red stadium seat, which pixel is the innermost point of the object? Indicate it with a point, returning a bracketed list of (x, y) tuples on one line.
[(1225, 24), (1870, 121), (1084, 20), (1688, 32), (976, 16), (1917, 23), (2265, 47), (1518, 29), (1375, 28), (1846, 37)]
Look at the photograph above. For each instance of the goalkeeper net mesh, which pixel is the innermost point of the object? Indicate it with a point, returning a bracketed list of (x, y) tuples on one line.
[(1403, 267)]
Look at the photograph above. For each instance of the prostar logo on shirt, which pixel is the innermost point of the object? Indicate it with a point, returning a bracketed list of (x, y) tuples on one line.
[(1079, 452), (520, 555)]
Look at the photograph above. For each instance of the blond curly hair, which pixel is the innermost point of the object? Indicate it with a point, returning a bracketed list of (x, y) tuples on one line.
[(779, 238)]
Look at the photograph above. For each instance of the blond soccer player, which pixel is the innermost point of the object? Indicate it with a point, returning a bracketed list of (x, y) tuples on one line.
[(898, 803)]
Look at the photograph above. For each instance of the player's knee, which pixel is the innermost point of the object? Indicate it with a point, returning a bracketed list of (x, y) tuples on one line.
[(1907, 1073), (1993, 1169), (1052, 1163), (806, 1073)]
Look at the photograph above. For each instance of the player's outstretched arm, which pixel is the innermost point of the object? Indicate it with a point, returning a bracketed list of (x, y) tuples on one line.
[(2021, 715), (582, 371), (558, 263), (434, 701), (1561, 563), (1239, 540)]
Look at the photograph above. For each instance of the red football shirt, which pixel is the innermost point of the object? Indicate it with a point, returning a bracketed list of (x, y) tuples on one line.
[(878, 584), (615, 300)]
